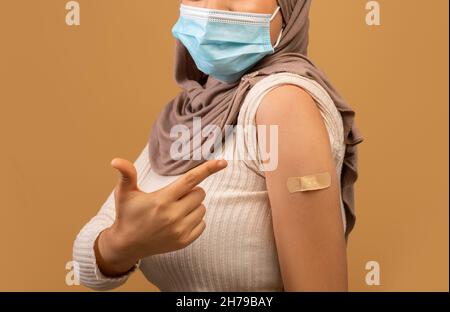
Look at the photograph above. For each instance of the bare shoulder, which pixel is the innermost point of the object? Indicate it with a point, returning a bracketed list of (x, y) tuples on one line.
[(290, 106), (302, 134)]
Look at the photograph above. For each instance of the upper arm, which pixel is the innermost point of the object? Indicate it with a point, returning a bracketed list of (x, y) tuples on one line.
[(308, 226)]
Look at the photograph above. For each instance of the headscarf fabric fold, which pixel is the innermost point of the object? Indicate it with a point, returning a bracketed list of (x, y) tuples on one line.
[(218, 103)]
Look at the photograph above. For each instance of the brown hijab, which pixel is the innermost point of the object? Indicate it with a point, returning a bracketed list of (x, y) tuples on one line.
[(218, 103)]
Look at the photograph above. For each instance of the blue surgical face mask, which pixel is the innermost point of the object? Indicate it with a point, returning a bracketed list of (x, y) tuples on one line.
[(225, 44)]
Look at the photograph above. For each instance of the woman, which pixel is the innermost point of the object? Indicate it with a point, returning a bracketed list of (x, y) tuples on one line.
[(195, 225)]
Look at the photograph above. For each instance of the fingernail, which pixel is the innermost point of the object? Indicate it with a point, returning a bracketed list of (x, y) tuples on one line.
[(222, 163)]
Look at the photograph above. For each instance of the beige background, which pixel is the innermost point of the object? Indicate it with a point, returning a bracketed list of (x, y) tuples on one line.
[(72, 98)]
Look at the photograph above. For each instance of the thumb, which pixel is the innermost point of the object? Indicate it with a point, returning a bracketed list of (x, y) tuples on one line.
[(128, 175)]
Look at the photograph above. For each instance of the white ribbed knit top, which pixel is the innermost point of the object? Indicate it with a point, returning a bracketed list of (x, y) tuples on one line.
[(237, 251)]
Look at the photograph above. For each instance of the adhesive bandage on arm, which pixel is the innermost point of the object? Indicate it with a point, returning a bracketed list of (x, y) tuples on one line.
[(309, 183)]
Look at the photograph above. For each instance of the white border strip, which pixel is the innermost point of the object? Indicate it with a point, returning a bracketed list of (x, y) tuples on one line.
[(226, 16)]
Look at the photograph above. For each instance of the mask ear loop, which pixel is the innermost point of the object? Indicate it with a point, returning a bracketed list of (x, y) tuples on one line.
[(275, 13), (279, 39), (281, 32)]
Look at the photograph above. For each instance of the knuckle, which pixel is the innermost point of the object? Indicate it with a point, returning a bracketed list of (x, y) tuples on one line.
[(187, 240), (167, 219), (202, 227), (184, 241), (202, 209), (202, 192), (177, 233), (159, 203), (190, 179)]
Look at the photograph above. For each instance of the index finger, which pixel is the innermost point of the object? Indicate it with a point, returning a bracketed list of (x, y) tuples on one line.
[(192, 178)]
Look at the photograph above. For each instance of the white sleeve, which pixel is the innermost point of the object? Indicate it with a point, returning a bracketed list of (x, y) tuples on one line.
[(248, 112), (330, 114), (83, 249)]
